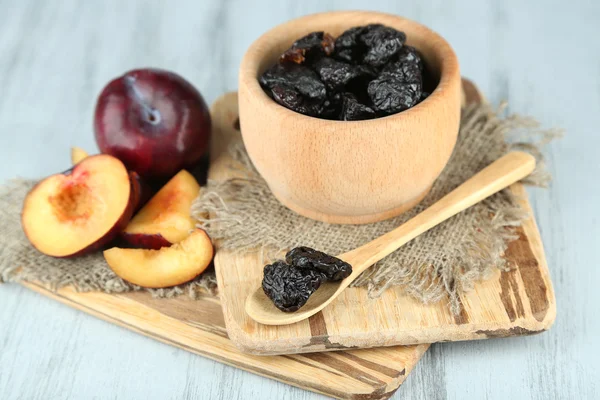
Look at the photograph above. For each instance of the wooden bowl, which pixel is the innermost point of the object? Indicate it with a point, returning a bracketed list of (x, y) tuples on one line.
[(350, 172)]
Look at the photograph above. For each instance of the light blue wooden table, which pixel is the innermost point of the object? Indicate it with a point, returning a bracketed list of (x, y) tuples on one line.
[(541, 56)]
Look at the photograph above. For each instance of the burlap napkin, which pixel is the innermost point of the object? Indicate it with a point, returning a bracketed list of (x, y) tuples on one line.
[(19, 260)]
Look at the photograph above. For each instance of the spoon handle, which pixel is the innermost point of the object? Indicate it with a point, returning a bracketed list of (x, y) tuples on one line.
[(500, 174)]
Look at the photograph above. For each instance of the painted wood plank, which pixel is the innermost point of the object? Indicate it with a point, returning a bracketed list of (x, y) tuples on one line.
[(56, 56)]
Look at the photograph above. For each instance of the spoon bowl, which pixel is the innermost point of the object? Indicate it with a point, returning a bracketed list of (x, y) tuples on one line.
[(500, 174), (264, 311)]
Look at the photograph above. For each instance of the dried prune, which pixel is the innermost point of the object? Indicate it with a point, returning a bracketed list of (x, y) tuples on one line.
[(290, 283), (382, 44), (348, 47), (328, 44), (336, 74), (306, 258), (293, 55), (353, 110), (303, 79), (402, 71), (311, 46), (296, 87), (397, 88), (410, 55), (373, 44), (332, 107), (358, 86), (390, 95), (289, 97), (289, 287)]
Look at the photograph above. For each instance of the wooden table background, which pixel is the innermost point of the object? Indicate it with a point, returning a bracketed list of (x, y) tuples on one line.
[(55, 57)]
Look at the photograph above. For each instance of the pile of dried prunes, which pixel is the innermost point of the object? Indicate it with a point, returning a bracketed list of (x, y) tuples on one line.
[(367, 72)]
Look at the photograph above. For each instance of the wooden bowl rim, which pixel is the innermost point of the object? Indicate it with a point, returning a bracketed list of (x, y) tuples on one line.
[(249, 68)]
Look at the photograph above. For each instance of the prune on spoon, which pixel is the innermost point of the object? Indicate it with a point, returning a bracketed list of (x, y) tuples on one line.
[(306, 258), (290, 283), (289, 287)]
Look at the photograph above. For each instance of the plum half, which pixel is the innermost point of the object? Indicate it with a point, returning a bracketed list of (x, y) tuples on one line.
[(168, 266), (166, 218), (81, 210)]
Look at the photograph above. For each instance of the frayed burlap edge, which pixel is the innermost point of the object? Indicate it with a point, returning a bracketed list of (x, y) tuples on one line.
[(440, 264), (19, 261)]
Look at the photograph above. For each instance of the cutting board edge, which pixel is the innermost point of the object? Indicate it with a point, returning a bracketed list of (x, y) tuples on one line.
[(68, 296)]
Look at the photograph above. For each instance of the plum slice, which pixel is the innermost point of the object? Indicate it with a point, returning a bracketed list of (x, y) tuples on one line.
[(81, 210), (77, 155), (166, 218), (168, 266)]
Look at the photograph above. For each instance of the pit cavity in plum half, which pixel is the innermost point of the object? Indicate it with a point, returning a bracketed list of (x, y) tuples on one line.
[(81, 210)]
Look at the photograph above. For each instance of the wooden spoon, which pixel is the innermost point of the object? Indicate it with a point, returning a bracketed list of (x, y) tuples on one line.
[(495, 177)]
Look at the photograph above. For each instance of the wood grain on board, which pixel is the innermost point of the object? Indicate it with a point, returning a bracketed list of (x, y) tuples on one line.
[(518, 302), (198, 326)]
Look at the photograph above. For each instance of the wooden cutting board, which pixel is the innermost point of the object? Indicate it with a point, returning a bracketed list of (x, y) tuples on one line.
[(517, 302), (198, 326)]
